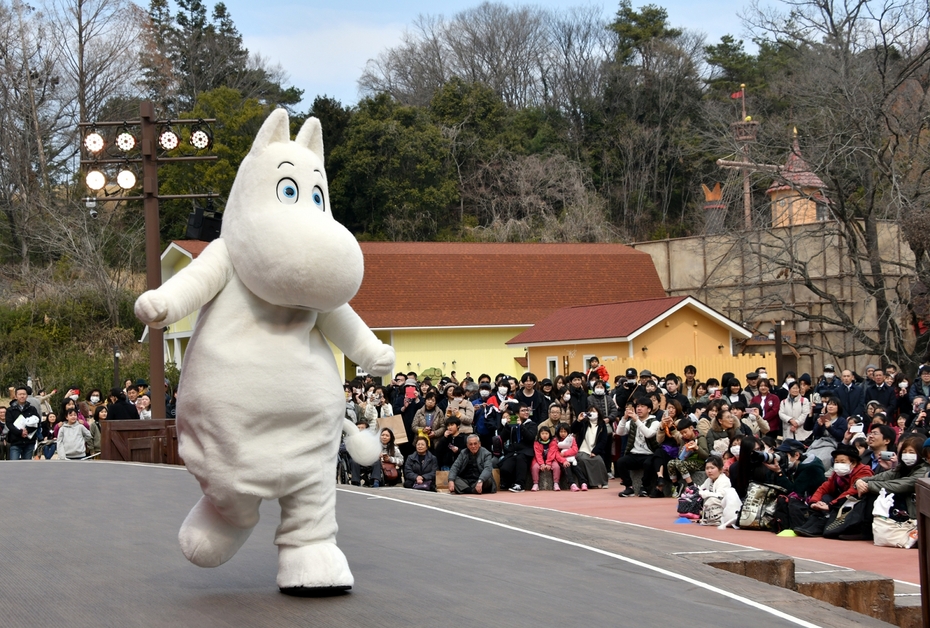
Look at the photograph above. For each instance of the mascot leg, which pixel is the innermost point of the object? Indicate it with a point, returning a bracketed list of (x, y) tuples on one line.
[(215, 529), (309, 563)]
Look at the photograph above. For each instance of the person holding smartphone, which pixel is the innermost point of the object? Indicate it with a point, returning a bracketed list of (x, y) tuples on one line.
[(880, 440)]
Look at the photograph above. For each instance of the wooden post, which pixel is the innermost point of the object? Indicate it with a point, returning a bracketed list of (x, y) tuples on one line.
[(152, 252)]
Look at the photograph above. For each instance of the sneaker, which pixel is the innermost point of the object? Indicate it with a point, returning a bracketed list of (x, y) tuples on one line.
[(610, 476), (535, 488), (575, 489), (644, 493), (516, 488), (376, 484), (556, 488), (626, 492), (676, 490), (584, 486)]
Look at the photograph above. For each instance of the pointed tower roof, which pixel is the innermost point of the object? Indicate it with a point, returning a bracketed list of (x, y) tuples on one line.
[(796, 174)]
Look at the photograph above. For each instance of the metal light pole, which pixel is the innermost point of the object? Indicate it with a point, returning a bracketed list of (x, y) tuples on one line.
[(149, 159), (116, 357), (779, 360)]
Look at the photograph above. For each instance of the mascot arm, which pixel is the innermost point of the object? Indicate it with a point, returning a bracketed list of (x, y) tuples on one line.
[(363, 446), (189, 290), (348, 331)]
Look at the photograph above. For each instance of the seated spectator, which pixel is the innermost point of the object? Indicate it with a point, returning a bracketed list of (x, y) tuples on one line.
[(899, 481), (545, 458), (449, 443), (592, 434), (518, 436), (750, 418), (640, 430), (420, 467), (429, 419), (568, 451), (390, 453), (735, 393), (668, 446), (554, 418), (96, 429), (795, 471), (722, 431), (731, 456), (706, 418), (721, 503), (750, 466), (692, 452), (472, 471), (712, 390), (72, 438), (847, 470), (881, 440)]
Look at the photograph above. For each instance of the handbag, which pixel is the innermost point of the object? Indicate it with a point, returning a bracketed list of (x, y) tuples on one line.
[(891, 533), (389, 469), (758, 510), (847, 519), (690, 501)]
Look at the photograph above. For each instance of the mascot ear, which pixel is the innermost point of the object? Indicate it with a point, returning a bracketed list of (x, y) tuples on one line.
[(311, 136), (275, 129)]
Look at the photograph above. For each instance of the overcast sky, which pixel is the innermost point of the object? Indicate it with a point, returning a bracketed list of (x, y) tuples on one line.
[(324, 45)]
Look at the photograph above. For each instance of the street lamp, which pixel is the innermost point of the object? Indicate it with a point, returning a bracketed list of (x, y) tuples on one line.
[(116, 357)]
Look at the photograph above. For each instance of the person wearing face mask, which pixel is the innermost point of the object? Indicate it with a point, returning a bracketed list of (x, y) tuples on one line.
[(847, 470), (592, 434), (795, 471), (899, 481), (484, 428), (93, 401), (605, 405), (782, 391), (494, 407)]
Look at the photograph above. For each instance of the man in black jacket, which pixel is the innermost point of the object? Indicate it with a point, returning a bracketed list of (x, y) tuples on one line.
[(518, 438), (119, 409), (881, 392), (671, 385), (22, 421)]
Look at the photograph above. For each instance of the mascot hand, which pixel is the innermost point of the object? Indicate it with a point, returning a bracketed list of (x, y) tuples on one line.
[(383, 361), (364, 446), (151, 308)]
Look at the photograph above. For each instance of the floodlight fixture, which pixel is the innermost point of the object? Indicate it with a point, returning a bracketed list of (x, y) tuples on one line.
[(168, 139), (94, 142), (201, 137), (126, 179), (95, 180)]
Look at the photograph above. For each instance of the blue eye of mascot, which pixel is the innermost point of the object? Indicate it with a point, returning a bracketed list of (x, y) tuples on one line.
[(271, 289)]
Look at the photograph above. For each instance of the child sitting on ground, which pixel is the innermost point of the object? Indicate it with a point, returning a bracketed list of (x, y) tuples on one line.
[(691, 454), (545, 457), (721, 503), (568, 447)]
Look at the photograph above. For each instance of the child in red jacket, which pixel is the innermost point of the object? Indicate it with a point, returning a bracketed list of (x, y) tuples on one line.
[(546, 458)]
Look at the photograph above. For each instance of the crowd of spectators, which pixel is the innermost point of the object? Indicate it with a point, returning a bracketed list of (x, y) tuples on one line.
[(31, 429), (821, 439)]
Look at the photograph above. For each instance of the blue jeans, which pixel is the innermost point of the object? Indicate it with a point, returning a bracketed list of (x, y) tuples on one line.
[(49, 450), (22, 452)]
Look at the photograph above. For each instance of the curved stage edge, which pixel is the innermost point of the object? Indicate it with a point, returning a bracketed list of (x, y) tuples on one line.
[(95, 544)]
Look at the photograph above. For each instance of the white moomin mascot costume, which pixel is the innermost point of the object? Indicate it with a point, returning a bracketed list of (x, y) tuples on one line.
[(275, 283)]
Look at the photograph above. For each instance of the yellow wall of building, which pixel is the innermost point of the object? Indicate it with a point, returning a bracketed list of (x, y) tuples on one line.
[(187, 323), (473, 351), (669, 349)]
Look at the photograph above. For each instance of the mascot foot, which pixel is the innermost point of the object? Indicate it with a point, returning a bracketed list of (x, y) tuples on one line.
[(316, 570), (207, 539)]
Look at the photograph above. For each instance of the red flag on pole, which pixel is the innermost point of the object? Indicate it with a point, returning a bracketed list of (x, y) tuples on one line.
[(736, 95)]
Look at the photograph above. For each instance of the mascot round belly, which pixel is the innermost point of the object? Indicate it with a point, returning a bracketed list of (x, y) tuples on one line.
[(271, 289)]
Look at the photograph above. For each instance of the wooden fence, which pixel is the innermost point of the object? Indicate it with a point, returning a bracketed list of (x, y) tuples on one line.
[(154, 442)]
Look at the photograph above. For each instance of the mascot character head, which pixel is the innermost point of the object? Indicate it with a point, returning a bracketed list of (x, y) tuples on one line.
[(282, 238)]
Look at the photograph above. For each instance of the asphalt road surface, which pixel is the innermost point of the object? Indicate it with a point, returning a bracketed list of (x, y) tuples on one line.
[(95, 544)]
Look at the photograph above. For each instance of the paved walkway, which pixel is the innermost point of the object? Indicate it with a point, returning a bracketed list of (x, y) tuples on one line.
[(659, 514)]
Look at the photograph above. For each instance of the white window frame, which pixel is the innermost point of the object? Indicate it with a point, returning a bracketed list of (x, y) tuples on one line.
[(552, 366)]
